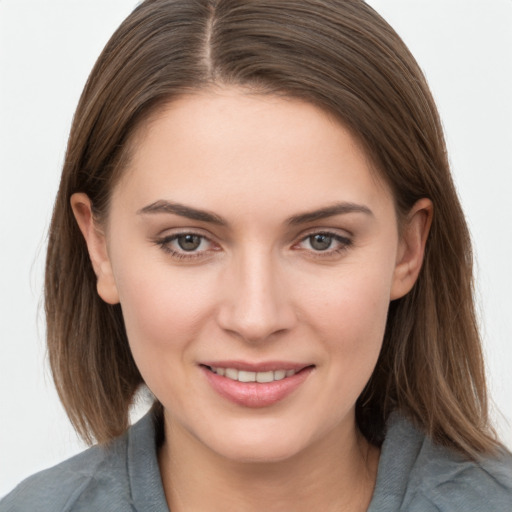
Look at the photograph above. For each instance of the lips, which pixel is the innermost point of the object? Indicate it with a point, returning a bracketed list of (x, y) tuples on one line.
[(255, 385)]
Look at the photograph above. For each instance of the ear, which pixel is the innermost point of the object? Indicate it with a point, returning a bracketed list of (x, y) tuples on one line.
[(96, 246), (411, 248)]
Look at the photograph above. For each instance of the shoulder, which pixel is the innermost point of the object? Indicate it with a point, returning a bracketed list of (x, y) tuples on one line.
[(63, 487), (420, 476), (101, 478), (121, 476), (449, 482)]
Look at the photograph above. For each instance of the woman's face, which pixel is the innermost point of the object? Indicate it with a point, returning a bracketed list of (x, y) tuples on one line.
[(249, 241)]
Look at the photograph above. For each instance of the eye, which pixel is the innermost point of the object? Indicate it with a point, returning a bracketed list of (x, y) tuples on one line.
[(186, 245), (189, 242), (324, 242), (320, 241)]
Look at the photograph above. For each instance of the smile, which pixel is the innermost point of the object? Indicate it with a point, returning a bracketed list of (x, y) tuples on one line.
[(255, 385), (247, 376)]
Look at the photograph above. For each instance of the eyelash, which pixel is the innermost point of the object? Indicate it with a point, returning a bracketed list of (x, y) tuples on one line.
[(164, 244), (343, 242)]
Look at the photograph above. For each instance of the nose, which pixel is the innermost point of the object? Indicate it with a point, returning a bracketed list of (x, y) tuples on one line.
[(256, 301)]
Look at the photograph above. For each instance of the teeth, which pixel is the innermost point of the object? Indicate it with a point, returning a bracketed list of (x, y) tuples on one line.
[(231, 373), (279, 374), (265, 377), (244, 376)]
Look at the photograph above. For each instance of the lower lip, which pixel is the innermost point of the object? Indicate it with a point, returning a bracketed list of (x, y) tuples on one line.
[(256, 394)]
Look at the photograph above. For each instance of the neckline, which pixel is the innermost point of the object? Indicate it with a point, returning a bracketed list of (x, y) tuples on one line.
[(148, 494)]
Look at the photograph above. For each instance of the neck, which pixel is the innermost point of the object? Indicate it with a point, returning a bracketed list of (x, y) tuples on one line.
[(336, 474)]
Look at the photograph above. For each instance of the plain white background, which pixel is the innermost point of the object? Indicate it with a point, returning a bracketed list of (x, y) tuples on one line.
[(47, 49)]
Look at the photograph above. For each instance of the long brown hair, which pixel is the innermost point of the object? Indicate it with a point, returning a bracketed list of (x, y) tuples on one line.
[(343, 57)]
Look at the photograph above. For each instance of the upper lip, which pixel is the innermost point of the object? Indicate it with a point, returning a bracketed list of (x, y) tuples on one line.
[(263, 366)]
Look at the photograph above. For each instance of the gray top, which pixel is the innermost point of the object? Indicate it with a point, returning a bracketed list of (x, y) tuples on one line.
[(413, 476)]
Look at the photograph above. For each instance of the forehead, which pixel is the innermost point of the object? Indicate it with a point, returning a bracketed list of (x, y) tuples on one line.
[(249, 149)]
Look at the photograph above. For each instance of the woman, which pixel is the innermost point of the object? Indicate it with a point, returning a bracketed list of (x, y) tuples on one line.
[(259, 219)]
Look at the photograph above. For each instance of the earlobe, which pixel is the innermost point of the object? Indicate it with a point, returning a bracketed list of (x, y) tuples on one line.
[(412, 247), (96, 246)]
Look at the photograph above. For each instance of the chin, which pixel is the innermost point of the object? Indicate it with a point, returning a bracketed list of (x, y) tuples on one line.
[(273, 451), (256, 444)]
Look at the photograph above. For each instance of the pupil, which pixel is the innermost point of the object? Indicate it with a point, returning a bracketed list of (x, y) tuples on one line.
[(189, 242), (321, 242)]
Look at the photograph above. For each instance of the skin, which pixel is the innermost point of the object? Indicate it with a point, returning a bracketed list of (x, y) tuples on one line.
[(256, 288)]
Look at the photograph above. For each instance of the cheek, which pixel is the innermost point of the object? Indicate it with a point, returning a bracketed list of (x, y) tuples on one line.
[(351, 319), (355, 302), (163, 312), (358, 331), (163, 316)]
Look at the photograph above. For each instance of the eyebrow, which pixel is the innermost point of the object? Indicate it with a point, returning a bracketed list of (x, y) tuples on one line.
[(329, 211), (163, 206)]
